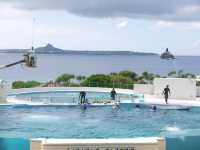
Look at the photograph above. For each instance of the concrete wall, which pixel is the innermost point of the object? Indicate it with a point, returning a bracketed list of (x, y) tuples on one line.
[(36, 144), (198, 91), (180, 88), (144, 88), (102, 144), (5, 87)]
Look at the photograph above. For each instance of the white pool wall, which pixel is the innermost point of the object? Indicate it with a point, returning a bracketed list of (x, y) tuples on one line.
[(144, 88), (151, 143), (52, 89), (5, 88)]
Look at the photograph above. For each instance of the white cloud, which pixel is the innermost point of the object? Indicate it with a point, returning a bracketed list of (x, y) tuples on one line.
[(188, 10), (192, 26), (174, 10), (164, 24), (122, 24), (8, 13), (185, 26), (196, 44)]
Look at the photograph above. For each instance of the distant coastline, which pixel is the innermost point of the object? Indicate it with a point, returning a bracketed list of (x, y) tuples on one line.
[(50, 49)]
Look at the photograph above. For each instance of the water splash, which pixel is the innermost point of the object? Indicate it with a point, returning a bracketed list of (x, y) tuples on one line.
[(42, 118), (173, 129)]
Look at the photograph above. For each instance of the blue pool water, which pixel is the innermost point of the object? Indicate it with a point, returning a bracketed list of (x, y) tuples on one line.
[(14, 144), (22, 121)]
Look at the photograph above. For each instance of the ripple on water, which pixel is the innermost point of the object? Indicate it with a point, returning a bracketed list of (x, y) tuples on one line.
[(41, 118), (98, 122)]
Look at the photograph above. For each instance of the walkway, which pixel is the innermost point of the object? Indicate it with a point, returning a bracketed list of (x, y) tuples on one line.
[(151, 99)]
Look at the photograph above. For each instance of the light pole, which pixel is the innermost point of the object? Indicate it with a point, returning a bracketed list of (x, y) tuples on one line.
[(29, 60)]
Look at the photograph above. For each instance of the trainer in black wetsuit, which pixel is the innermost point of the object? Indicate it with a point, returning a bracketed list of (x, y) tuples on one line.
[(82, 97), (166, 93), (113, 94)]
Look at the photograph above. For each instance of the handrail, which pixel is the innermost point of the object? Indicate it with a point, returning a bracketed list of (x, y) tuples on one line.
[(120, 85)]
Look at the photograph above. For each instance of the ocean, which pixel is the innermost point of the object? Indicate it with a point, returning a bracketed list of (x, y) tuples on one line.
[(52, 65)]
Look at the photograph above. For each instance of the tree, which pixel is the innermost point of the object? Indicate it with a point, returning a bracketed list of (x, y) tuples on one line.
[(148, 76), (180, 74), (113, 73), (18, 84), (97, 80), (172, 74), (80, 78), (65, 79), (188, 75), (31, 84), (122, 81), (132, 75)]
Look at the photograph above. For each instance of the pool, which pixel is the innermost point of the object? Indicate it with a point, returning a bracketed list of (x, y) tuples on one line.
[(28, 121)]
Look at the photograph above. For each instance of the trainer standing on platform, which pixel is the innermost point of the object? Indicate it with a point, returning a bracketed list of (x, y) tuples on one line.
[(82, 96), (166, 93), (113, 94)]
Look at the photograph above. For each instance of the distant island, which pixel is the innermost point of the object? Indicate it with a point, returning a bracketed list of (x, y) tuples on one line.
[(50, 49)]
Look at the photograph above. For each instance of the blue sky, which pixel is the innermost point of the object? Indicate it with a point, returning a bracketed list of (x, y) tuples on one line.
[(102, 25)]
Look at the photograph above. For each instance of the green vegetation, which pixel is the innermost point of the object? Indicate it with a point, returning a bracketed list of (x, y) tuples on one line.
[(180, 74), (23, 84), (96, 80), (65, 79), (123, 79), (80, 78)]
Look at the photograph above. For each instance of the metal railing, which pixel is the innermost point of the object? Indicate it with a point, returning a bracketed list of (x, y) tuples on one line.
[(110, 85), (120, 85)]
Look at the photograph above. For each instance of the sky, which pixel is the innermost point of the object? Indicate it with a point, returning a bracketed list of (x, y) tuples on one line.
[(135, 25)]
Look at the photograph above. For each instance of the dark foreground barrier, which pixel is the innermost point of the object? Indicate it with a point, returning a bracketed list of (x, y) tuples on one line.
[(182, 140), (189, 140), (14, 144)]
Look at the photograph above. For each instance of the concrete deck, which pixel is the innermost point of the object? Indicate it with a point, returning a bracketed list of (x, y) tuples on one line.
[(151, 99)]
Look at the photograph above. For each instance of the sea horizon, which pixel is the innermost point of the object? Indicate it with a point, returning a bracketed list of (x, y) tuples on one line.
[(50, 66)]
